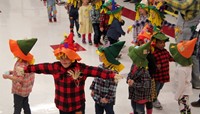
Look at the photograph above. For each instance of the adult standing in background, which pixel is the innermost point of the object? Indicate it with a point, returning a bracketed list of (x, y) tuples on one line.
[(188, 18)]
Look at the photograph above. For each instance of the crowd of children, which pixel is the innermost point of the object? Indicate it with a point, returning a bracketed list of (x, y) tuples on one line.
[(148, 73)]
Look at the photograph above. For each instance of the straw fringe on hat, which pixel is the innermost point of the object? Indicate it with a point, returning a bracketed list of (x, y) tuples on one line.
[(111, 53), (21, 48)]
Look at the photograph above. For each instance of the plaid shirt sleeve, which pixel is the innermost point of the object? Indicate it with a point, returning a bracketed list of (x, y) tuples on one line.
[(96, 72), (45, 68)]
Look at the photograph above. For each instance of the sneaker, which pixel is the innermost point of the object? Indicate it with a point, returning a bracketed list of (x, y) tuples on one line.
[(96, 45), (195, 87), (90, 42), (83, 41), (196, 103), (157, 104), (79, 35), (54, 19), (50, 20)]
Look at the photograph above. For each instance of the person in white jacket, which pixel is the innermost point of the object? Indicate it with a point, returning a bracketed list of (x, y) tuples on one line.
[(182, 53)]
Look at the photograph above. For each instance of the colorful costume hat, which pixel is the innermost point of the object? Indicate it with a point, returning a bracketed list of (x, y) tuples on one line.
[(156, 17), (111, 53), (160, 36), (108, 3), (138, 54), (182, 51), (145, 34), (144, 5), (21, 48), (67, 47)]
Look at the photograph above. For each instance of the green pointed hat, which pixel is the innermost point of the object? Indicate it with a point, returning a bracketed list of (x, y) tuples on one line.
[(21, 48), (108, 2), (138, 54), (112, 51), (160, 36), (182, 51)]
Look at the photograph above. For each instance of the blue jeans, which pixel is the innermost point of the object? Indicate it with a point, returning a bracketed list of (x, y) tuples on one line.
[(19, 103), (137, 108), (99, 109), (159, 86), (51, 10)]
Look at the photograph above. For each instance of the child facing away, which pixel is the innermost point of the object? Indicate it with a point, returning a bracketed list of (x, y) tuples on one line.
[(139, 79), (85, 21), (103, 91), (162, 57), (95, 15), (72, 7), (21, 84), (69, 77), (182, 53), (51, 9), (115, 30)]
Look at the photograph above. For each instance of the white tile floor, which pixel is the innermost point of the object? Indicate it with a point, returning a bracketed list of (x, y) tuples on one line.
[(28, 18)]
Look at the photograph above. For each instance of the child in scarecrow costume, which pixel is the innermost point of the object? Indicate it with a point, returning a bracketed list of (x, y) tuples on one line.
[(141, 17), (115, 30), (68, 71), (139, 79), (85, 21), (162, 57), (104, 90), (72, 7), (182, 53), (95, 15), (51, 9), (21, 83), (104, 17)]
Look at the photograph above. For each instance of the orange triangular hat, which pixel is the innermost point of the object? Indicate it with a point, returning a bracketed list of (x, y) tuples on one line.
[(146, 33), (186, 48)]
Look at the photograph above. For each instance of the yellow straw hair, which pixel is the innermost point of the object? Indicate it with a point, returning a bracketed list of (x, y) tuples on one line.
[(155, 18), (109, 65), (98, 4)]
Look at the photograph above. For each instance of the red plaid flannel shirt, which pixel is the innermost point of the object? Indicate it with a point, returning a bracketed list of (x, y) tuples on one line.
[(163, 58), (69, 93)]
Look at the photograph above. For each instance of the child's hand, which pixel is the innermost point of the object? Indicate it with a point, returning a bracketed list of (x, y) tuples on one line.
[(104, 100), (128, 30), (118, 77), (20, 71), (78, 112), (130, 82), (6, 76), (158, 66), (101, 29), (75, 74), (92, 93)]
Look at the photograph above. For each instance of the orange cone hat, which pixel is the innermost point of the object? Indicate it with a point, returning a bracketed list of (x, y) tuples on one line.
[(186, 48)]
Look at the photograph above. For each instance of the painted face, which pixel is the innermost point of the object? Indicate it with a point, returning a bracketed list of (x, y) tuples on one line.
[(160, 44), (65, 61)]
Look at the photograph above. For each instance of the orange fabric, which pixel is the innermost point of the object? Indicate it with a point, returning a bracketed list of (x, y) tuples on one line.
[(18, 53), (146, 33), (186, 48), (71, 54)]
